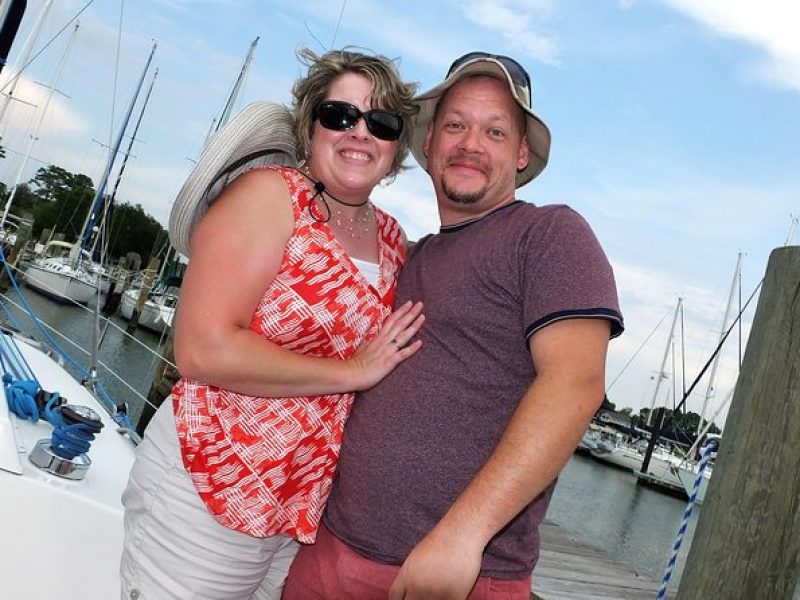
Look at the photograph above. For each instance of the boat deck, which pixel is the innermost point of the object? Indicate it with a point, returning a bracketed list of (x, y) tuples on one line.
[(569, 569), (661, 484)]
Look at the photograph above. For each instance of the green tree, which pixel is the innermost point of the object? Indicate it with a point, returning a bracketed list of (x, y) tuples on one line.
[(606, 405), (60, 201), (24, 199), (63, 199), (52, 182), (133, 230)]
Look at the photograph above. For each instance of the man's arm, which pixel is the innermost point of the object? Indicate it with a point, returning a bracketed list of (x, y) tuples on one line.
[(569, 357)]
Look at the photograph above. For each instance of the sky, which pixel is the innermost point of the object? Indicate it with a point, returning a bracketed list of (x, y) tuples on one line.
[(675, 123)]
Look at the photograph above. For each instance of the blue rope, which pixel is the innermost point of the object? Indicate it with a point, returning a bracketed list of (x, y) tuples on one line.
[(12, 359), (68, 440), (119, 417), (21, 397), (9, 315), (708, 449), (19, 381)]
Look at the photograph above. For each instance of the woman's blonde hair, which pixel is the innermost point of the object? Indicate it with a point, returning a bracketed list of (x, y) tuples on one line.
[(389, 92)]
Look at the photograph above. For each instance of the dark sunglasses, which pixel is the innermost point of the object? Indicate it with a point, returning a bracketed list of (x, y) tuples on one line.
[(517, 72), (341, 116)]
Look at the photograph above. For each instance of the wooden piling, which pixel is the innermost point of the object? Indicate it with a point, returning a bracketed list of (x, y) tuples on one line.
[(144, 292), (120, 279), (12, 253), (747, 541)]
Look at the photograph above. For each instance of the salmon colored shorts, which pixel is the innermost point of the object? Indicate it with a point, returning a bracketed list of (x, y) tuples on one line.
[(331, 570)]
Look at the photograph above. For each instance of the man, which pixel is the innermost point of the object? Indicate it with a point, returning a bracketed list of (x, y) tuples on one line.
[(447, 465)]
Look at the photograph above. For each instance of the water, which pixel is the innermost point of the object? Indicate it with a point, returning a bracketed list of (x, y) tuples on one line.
[(604, 506), (598, 504), (131, 359)]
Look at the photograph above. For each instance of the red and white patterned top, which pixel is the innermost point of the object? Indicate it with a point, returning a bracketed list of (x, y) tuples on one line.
[(264, 466)]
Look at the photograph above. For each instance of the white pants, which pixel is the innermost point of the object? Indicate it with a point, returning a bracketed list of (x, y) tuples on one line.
[(173, 546)]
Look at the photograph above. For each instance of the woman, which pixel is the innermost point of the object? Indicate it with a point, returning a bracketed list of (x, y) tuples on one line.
[(284, 312)]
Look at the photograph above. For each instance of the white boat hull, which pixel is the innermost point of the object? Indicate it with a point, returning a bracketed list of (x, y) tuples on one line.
[(154, 316), (624, 458), (630, 458), (63, 283), (688, 477)]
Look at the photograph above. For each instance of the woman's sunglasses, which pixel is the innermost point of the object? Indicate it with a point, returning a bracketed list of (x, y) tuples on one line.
[(341, 116), (515, 70)]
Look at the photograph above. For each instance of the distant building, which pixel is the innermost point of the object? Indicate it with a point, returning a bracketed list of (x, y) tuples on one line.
[(615, 419)]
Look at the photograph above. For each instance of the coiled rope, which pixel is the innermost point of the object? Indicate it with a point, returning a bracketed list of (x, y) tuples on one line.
[(19, 381), (21, 397), (69, 439)]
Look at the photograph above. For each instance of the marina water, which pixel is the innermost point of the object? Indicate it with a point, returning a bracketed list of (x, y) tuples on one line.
[(131, 359), (605, 507), (597, 504)]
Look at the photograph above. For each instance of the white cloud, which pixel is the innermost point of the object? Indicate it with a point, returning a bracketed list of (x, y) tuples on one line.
[(770, 25), (28, 99), (411, 200), (520, 23), (23, 118)]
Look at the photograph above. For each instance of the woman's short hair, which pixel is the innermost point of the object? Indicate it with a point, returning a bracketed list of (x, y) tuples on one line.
[(389, 92)]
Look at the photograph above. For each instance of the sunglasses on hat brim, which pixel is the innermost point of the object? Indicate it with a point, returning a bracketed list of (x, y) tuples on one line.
[(519, 76), (342, 116)]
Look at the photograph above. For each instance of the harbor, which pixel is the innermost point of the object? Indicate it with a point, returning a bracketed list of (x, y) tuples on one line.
[(127, 362), (646, 117), (605, 528), (606, 535), (602, 528)]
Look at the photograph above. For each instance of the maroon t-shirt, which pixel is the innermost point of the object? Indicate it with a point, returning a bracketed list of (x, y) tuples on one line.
[(414, 441)]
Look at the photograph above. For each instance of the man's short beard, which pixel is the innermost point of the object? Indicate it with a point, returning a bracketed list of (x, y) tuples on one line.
[(463, 197)]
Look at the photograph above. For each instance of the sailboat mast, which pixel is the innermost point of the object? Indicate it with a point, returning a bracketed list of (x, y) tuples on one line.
[(237, 86), (97, 201), (25, 57), (661, 375), (128, 151), (712, 377), (37, 126)]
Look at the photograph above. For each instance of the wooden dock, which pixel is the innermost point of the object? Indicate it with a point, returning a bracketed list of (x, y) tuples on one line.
[(569, 569)]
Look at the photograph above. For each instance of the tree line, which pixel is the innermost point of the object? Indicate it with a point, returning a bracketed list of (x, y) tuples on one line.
[(681, 421), (59, 201)]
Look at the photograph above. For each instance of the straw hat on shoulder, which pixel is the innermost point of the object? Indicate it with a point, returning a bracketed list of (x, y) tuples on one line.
[(261, 134)]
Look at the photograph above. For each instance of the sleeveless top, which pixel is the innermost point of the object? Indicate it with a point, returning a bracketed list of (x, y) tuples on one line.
[(264, 466)]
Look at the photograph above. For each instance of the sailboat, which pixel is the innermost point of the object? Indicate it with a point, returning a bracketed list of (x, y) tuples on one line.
[(51, 275), (66, 449), (688, 471), (77, 277), (630, 455), (157, 311)]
